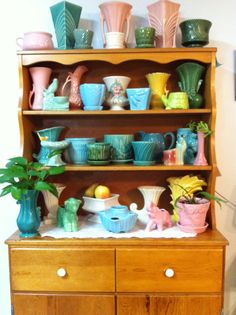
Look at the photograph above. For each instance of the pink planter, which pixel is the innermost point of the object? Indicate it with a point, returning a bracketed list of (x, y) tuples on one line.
[(193, 216)]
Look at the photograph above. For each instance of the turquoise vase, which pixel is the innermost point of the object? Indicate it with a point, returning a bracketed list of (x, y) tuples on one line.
[(190, 74), (65, 16), (28, 220), (48, 134)]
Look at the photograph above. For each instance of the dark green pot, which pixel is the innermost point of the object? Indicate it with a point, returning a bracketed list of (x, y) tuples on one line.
[(195, 32)]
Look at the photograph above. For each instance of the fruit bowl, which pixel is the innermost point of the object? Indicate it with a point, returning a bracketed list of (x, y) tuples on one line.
[(95, 205)]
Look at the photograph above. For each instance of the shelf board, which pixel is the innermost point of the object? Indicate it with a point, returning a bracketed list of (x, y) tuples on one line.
[(121, 112), (131, 167)]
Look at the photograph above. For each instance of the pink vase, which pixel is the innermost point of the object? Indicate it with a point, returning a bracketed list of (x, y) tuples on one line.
[(200, 158), (116, 14), (163, 15), (74, 95), (40, 78)]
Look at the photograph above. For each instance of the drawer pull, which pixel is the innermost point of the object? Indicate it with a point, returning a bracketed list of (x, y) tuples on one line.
[(61, 272), (169, 273)]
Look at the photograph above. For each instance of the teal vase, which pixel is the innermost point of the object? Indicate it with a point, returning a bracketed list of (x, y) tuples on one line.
[(65, 16), (190, 74), (49, 134), (28, 220)]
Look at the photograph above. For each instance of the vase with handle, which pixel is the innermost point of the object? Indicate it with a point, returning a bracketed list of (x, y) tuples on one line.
[(40, 78), (74, 79), (52, 203), (163, 15), (151, 194), (116, 15)]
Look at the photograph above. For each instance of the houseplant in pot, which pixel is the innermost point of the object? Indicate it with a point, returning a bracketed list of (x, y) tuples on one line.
[(24, 181), (191, 203)]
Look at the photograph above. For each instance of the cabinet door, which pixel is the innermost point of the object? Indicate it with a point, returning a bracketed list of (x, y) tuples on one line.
[(169, 305), (63, 304)]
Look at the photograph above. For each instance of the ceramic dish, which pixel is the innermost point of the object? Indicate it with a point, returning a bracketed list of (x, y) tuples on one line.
[(192, 229)]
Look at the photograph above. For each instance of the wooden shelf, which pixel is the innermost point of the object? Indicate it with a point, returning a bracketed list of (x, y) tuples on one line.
[(131, 167), (114, 113)]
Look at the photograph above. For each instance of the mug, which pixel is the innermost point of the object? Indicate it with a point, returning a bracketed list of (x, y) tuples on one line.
[(144, 37), (35, 41), (83, 38), (121, 151)]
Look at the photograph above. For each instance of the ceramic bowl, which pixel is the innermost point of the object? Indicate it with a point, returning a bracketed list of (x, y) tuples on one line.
[(118, 219), (95, 205)]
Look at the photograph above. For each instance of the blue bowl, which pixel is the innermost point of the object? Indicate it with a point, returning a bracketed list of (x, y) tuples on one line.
[(118, 219)]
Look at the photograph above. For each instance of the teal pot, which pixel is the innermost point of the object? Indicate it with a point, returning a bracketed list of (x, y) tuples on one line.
[(49, 134), (28, 220), (65, 16), (190, 74), (77, 152), (195, 32)]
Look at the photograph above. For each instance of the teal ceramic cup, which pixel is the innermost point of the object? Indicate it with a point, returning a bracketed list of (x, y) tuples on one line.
[(139, 98), (144, 37), (144, 153), (83, 38), (99, 151), (121, 151), (77, 150), (92, 95)]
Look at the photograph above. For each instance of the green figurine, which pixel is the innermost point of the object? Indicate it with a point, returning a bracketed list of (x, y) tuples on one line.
[(67, 215)]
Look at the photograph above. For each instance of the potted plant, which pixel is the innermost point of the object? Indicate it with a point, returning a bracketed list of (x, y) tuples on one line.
[(203, 131), (191, 203), (24, 180)]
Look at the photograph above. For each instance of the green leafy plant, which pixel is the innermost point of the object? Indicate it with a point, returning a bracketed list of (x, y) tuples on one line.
[(200, 126), (195, 198), (22, 175)]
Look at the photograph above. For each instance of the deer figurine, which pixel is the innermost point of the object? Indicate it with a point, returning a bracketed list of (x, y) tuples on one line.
[(158, 218)]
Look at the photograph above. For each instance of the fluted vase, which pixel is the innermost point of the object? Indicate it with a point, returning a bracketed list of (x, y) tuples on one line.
[(190, 74), (163, 15), (200, 158)]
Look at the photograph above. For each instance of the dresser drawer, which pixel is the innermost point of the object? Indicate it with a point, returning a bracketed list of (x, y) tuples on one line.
[(63, 269), (169, 270)]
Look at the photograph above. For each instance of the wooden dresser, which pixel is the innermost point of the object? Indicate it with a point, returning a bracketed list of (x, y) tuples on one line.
[(119, 276)]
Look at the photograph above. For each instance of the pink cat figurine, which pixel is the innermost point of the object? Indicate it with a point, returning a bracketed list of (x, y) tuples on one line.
[(158, 218)]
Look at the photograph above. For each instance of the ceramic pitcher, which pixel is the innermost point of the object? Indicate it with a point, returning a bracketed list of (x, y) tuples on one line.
[(116, 14), (163, 15), (40, 77)]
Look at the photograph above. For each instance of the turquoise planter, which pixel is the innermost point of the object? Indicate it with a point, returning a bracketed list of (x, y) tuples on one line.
[(28, 220), (65, 16)]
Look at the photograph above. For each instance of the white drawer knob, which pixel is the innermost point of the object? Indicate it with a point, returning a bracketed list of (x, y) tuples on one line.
[(61, 272), (169, 273)]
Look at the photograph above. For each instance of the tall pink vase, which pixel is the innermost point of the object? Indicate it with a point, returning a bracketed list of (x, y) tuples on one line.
[(40, 78), (200, 158), (163, 15), (116, 14)]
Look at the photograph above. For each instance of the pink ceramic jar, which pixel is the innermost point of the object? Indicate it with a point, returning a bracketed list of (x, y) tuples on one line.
[(35, 41)]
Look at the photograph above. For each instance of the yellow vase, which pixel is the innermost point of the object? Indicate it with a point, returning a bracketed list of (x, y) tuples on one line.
[(157, 82)]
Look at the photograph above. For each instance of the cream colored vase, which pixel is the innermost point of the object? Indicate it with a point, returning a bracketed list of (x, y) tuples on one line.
[(157, 82)]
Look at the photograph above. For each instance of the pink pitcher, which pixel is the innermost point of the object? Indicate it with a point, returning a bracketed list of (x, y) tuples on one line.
[(40, 77), (115, 14), (163, 15)]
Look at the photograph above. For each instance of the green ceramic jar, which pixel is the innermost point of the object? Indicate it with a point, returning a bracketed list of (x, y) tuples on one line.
[(144, 37), (195, 32)]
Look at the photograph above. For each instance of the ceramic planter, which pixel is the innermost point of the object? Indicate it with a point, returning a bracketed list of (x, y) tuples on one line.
[(195, 32), (192, 217)]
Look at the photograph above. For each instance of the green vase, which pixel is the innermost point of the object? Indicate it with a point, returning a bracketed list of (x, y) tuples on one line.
[(28, 220), (66, 18), (190, 74)]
